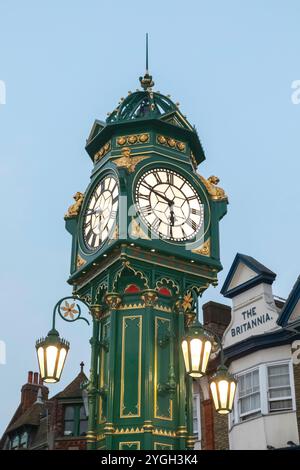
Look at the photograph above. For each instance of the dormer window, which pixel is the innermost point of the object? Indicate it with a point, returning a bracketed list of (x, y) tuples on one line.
[(75, 421)]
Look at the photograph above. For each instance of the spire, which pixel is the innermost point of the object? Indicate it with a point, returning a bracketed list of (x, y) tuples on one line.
[(146, 81), (81, 366)]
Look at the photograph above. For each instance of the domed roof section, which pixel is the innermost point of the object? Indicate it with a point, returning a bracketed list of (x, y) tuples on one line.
[(142, 104)]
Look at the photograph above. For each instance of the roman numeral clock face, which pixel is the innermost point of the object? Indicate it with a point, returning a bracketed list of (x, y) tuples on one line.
[(100, 213), (169, 205)]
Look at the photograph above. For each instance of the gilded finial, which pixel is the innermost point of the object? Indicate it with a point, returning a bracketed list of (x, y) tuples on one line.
[(146, 81)]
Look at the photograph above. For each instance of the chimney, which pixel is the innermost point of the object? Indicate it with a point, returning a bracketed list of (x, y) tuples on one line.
[(216, 316), (29, 391)]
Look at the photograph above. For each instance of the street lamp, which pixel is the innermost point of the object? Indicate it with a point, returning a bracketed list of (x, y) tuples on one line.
[(53, 350), (223, 386), (196, 347)]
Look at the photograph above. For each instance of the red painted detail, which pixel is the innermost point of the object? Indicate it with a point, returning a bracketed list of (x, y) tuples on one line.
[(132, 289), (165, 291)]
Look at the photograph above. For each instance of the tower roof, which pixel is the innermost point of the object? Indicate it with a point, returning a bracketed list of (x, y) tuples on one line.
[(142, 104)]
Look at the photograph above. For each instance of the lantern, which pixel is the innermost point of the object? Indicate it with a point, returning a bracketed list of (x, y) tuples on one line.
[(223, 387), (196, 348), (51, 352)]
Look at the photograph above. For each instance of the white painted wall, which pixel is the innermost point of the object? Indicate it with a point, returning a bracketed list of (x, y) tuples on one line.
[(274, 429), (253, 304)]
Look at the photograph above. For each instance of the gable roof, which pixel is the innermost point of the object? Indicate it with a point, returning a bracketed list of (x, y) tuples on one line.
[(285, 316), (257, 274), (31, 417), (73, 390)]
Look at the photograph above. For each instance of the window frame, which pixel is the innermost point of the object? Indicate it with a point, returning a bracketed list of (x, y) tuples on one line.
[(291, 386), (76, 420), (258, 392), (196, 398), (236, 418)]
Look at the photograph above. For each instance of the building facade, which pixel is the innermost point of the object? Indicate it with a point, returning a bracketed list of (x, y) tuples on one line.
[(259, 347), (40, 423)]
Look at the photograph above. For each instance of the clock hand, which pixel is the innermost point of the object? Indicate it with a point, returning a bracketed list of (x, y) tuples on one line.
[(163, 197)]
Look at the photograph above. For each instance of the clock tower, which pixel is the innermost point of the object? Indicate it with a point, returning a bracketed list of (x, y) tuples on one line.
[(145, 235)]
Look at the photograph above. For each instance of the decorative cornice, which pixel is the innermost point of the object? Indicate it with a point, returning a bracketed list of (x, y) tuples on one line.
[(133, 139), (170, 142)]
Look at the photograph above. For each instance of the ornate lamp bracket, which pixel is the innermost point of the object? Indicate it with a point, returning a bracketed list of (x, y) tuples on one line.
[(69, 311)]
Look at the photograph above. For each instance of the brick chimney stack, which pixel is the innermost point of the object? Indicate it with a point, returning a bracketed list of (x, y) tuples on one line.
[(29, 391), (216, 316)]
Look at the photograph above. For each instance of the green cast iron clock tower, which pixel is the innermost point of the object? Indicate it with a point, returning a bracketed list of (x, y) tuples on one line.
[(145, 235)]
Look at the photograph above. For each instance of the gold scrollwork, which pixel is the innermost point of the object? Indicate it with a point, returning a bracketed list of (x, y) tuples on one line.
[(204, 249), (103, 151), (170, 142)]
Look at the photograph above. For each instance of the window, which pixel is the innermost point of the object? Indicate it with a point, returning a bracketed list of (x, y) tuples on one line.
[(75, 421), (15, 442), (279, 388), (69, 421), (196, 417), (249, 394), (82, 422), (24, 440), (267, 389)]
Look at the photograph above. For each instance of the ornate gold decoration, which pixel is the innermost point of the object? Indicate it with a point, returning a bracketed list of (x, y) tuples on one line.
[(97, 311), (121, 140), (74, 209), (164, 432), (193, 160), (127, 161), (103, 151), (215, 191), (187, 301), (136, 430), (137, 231), (69, 310), (161, 139), (169, 141), (162, 308), (163, 282), (204, 249), (80, 261), (132, 139), (127, 265), (149, 296), (113, 299), (131, 306)]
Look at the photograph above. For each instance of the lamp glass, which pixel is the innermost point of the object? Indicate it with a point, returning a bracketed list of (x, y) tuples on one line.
[(223, 387)]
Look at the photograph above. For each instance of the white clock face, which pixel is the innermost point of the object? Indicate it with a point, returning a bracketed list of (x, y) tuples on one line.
[(101, 212), (169, 205)]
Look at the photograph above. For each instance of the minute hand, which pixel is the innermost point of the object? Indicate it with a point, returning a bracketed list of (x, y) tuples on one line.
[(170, 203)]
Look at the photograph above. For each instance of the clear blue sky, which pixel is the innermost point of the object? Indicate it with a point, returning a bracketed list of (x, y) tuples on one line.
[(230, 65)]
